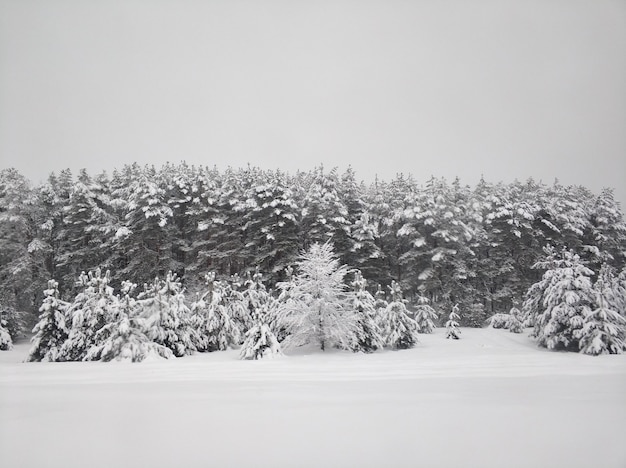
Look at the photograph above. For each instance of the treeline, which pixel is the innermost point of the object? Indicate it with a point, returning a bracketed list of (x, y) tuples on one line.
[(441, 240)]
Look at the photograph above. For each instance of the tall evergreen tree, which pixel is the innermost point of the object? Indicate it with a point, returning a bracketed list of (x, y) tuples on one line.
[(561, 301), (51, 330), (604, 329), (369, 335), (316, 310)]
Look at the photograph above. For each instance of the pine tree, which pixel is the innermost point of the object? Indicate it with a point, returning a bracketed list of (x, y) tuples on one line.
[(425, 315), (259, 341), (316, 310), (400, 330), (603, 330), (167, 318), (89, 312), (566, 300), (219, 331), (123, 338), (50, 331), (452, 325), (369, 337), (6, 343)]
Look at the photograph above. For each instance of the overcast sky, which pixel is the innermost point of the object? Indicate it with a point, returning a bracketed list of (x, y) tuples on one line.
[(508, 89)]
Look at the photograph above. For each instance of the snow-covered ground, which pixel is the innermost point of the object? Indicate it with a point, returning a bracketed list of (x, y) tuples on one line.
[(491, 399)]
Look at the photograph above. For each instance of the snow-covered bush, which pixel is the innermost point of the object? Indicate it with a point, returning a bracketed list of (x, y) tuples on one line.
[(452, 325), (123, 337), (425, 315), (316, 309), (260, 342), (515, 321), (499, 320), (50, 331), (6, 342), (369, 337), (400, 330)]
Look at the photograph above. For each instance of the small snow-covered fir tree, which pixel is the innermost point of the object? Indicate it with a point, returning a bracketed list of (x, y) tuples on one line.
[(400, 330), (219, 330), (515, 323), (425, 315), (369, 337), (566, 300), (259, 341), (50, 331), (380, 304), (452, 325), (124, 339), (316, 309), (603, 330), (167, 318)]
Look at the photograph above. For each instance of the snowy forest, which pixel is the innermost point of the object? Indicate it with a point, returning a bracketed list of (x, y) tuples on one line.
[(173, 260)]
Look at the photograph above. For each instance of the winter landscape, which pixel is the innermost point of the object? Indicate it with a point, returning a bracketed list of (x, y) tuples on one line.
[(312, 234), (335, 323)]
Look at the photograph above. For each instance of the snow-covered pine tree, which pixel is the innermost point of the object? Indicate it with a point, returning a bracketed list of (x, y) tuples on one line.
[(317, 310), (452, 325), (369, 337), (167, 318), (13, 321), (515, 322), (219, 330), (400, 330), (380, 304), (123, 337), (89, 312), (603, 330), (259, 341), (425, 315), (566, 300), (6, 343), (50, 331)]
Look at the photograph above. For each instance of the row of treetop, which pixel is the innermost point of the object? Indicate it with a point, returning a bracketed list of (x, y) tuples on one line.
[(314, 306), (480, 247)]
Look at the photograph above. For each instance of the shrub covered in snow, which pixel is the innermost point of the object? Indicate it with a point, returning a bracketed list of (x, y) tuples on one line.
[(515, 321), (123, 337), (6, 342)]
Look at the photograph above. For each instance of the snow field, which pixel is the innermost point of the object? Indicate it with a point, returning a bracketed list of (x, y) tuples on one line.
[(490, 399)]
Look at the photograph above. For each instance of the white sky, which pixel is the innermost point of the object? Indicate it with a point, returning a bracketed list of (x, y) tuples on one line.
[(508, 89)]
